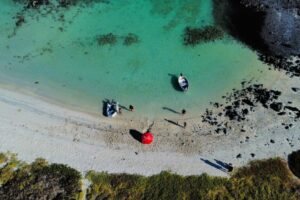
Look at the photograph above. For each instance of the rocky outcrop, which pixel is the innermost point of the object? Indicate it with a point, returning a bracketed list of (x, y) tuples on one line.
[(272, 27)]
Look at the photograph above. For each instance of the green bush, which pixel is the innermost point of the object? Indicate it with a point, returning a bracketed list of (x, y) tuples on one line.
[(262, 179), (115, 186), (262, 169), (38, 180), (265, 179), (3, 158)]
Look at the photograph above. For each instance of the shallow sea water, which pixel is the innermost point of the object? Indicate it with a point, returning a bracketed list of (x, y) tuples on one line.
[(59, 50)]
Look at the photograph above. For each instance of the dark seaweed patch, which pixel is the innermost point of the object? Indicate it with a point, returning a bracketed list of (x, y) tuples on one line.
[(105, 39), (130, 39), (194, 36)]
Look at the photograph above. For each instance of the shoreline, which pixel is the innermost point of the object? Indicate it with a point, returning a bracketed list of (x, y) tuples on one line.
[(34, 128)]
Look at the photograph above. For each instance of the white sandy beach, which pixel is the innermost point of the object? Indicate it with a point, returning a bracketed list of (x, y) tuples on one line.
[(34, 128)]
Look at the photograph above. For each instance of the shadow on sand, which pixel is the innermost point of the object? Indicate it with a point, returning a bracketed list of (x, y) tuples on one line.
[(174, 82), (222, 166), (171, 110), (174, 123), (136, 135), (214, 165)]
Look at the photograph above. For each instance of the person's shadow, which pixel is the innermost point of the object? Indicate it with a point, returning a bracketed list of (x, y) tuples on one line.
[(217, 166), (174, 82), (174, 123), (136, 135), (229, 167)]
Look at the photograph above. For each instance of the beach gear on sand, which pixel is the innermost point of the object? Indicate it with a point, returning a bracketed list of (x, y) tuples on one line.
[(112, 108), (147, 138)]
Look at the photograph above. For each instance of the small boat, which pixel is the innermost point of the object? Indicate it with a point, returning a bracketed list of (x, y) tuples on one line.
[(183, 83), (112, 108)]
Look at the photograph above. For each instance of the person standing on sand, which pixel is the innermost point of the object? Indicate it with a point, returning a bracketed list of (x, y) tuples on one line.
[(183, 111), (131, 108), (184, 124), (230, 167)]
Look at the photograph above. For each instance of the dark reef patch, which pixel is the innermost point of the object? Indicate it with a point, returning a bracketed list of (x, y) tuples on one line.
[(20, 20), (194, 36), (58, 3), (130, 39), (108, 38), (112, 39), (54, 8)]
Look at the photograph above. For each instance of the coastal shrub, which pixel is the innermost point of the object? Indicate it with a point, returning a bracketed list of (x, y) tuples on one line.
[(265, 168), (164, 186), (172, 186), (294, 162), (262, 179), (38, 180), (265, 179), (3, 158), (9, 164), (161, 186), (115, 186), (255, 188), (105, 39), (130, 39), (194, 36)]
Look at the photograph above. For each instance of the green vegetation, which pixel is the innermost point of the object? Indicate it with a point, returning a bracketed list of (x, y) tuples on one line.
[(39, 180), (262, 179), (194, 36), (268, 179), (115, 186), (294, 162)]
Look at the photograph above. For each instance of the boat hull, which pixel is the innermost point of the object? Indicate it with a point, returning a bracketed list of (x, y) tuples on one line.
[(183, 83)]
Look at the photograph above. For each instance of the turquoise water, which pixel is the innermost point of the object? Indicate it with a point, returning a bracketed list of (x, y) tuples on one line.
[(71, 68)]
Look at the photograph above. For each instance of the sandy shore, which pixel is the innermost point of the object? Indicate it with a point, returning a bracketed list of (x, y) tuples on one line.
[(34, 128)]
